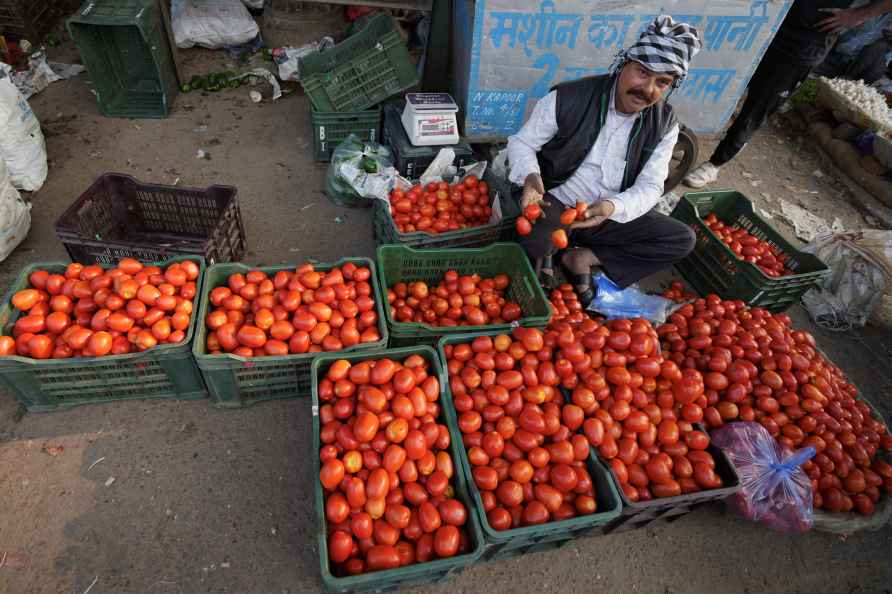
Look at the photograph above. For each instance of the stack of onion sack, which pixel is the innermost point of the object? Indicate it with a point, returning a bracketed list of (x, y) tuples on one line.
[(524, 456), (304, 311), (639, 409), (565, 306), (747, 247), (92, 312), (386, 470), (456, 301), (439, 207), (756, 367)]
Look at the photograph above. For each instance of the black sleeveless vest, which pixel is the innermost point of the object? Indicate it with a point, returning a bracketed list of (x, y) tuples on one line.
[(581, 110)]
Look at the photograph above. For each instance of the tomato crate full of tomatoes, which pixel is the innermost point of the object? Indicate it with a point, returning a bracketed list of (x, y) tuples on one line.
[(394, 507), (75, 334), (639, 412), (457, 291), (262, 327), (738, 255), (536, 482), (638, 514), (444, 215), (757, 367)]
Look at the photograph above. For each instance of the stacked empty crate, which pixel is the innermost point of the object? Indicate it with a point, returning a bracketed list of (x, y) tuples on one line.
[(346, 83)]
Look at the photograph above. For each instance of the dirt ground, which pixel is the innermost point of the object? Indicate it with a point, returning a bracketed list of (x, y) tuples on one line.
[(166, 497)]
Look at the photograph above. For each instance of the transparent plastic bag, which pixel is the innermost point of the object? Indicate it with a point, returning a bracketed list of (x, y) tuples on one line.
[(613, 302), (361, 170), (774, 490)]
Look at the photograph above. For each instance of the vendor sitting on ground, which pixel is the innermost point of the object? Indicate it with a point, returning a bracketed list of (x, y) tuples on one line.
[(607, 141)]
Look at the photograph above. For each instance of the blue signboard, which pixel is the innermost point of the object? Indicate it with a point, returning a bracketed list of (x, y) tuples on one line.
[(509, 53)]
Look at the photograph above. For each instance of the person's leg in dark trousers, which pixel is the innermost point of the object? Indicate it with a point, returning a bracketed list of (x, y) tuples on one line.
[(772, 83), (629, 252)]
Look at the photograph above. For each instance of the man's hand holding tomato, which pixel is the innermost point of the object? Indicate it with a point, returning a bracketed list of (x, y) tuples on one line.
[(595, 214)]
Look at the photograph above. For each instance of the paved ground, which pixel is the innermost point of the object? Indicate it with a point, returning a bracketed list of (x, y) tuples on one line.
[(204, 500)]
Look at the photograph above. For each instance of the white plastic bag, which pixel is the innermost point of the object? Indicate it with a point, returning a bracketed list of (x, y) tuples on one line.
[(255, 4), (15, 215), (288, 58), (211, 23), (860, 265), (21, 141)]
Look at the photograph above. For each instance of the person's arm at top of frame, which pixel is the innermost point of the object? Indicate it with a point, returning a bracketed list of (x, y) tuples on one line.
[(841, 19)]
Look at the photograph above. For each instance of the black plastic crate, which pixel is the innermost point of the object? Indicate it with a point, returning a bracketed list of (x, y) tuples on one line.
[(32, 19), (411, 160), (119, 217)]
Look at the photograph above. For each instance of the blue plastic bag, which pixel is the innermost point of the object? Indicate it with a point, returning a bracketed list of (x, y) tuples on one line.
[(774, 489), (613, 302)]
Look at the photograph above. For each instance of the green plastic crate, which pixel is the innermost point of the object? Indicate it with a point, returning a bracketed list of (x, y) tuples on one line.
[(503, 230), (362, 71), (123, 44), (400, 263), (713, 268), (165, 371), (638, 514), (436, 571), (330, 128), (235, 381), (503, 544)]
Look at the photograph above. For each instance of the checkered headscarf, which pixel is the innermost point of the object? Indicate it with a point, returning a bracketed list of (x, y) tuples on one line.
[(665, 46)]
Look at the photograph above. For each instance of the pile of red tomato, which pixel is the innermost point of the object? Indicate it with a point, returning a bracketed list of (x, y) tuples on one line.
[(640, 410), (757, 367), (439, 207), (305, 311), (458, 300), (565, 305), (745, 246), (91, 312), (526, 458), (677, 292), (386, 470)]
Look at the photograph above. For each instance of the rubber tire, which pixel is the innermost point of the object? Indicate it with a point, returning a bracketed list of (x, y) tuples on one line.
[(689, 146)]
